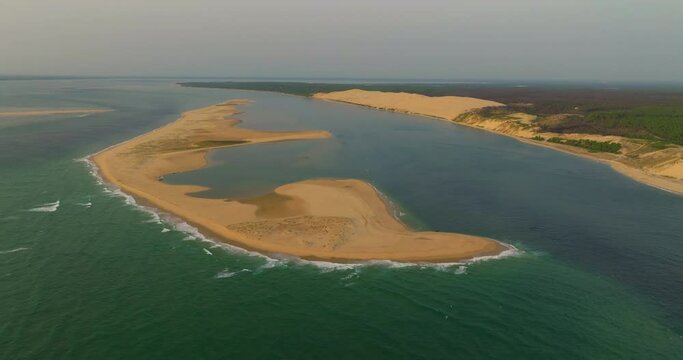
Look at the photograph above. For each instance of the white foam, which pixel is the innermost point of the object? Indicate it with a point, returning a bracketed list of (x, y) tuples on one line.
[(270, 264), (510, 252), (273, 261), (92, 169), (85, 205), (14, 250), (228, 274), (224, 274), (353, 275), (47, 207), (165, 230), (462, 269)]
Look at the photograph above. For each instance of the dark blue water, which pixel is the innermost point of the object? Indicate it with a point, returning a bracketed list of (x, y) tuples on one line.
[(459, 179)]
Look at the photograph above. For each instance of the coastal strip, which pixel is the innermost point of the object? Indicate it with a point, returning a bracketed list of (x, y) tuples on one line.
[(338, 220), (46, 112), (658, 167)]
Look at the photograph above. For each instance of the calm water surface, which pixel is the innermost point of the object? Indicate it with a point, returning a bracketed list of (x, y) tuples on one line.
[(600, 276)]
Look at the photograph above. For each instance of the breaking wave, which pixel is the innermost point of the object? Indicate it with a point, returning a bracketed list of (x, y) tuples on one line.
[(277, 260), (228, 274), (47, 207)]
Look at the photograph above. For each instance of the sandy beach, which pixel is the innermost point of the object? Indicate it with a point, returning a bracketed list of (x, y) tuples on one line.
[(342, 220), (51, 112), (660, 168)]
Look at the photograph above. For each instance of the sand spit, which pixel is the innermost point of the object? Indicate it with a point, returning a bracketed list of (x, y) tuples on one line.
[(660, 168), (334, 220), (51, 112)]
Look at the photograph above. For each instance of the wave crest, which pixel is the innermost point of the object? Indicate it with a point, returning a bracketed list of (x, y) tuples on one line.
[(14, 250), (47, 207)]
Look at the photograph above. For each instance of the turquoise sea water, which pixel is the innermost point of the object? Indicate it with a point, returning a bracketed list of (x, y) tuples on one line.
[(88, 275)]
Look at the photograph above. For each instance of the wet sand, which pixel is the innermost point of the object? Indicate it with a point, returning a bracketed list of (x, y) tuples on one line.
[(342, 220), (660, 168)]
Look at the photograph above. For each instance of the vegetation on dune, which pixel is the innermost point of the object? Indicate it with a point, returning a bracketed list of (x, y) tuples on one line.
[(656, 122), (650, 122), (216, 143), (538, 99), (652, 113), (658, 145), (590, 145), (184, 144), (294, 88), (493, 112)]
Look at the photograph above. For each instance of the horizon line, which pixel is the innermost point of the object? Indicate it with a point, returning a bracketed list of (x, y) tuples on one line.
[(302, 79)]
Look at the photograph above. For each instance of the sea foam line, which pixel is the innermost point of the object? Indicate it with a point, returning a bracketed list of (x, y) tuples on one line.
[(14, 250), (160, 217), (274, 261), (47, 207), (227, 273)]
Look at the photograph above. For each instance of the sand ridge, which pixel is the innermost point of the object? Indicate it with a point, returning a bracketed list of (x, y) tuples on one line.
[(332, 219)]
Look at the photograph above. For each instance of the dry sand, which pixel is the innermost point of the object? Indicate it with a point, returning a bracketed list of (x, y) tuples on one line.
[(661, 168), (334, 220), (51, 112), (443, 107)]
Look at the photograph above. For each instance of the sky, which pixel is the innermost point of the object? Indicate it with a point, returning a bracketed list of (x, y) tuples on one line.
[(579, 40)]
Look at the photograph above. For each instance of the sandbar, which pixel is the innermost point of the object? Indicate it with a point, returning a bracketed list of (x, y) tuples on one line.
[(338, 220)]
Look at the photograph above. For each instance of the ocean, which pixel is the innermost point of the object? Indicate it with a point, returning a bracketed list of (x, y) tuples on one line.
[(85, 273)]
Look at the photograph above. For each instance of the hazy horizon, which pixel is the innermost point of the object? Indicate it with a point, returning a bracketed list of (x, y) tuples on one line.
[(533, 40)]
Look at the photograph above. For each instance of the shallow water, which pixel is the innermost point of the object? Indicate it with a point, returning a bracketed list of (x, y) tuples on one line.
[(599, 276)]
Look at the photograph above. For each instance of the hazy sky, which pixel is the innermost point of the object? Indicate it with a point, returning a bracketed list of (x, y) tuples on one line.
[(602, 40)]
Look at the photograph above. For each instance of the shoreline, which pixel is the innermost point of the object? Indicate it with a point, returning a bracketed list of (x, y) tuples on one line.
[(294, 219), (668, 184), (197, 232)]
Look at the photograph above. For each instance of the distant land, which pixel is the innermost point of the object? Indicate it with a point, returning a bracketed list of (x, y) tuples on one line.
[(637, 130), (269, 81)]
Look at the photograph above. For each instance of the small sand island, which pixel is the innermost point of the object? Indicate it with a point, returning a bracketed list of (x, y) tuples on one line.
[(342, 220), (658, 166), (46, 112)]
